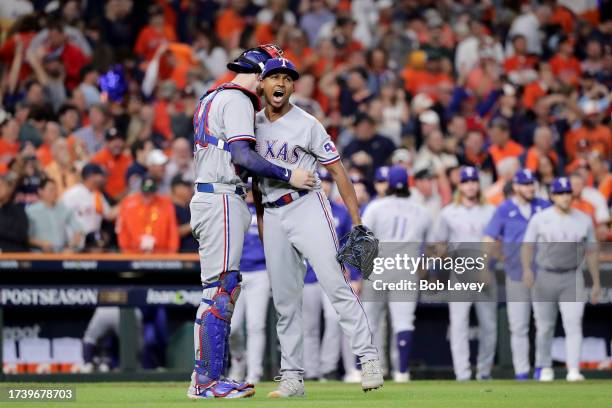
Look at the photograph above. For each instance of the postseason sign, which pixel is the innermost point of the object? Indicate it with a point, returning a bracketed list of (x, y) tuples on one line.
[(79, 296)]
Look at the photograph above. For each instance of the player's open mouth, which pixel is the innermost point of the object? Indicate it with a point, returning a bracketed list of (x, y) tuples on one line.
[(277, 95)]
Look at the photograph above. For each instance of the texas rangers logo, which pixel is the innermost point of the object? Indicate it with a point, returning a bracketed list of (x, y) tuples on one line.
[(330, 147)]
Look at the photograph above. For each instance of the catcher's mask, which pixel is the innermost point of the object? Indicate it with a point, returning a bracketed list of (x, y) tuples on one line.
[(252, 61)]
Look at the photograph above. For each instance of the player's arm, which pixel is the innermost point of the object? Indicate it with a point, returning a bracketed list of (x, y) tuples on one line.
[(243, 155), (259, 209), (238, 115), (346, 190)]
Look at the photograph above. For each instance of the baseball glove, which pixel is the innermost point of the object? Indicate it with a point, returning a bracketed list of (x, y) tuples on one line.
[(359, 250)]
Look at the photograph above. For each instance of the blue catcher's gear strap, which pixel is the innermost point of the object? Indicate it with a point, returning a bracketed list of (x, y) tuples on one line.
[(203, 137), (215, 327)]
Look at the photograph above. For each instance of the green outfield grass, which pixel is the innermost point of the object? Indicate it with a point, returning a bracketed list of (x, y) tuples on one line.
[(418, 394)]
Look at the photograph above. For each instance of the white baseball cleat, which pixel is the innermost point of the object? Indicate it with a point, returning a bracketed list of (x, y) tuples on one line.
[(546, 374), (401, 377), (288, 387), (573, 375), (371, 375), (352, 377)]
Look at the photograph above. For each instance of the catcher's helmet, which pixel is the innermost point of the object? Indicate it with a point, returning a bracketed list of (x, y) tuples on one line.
[(252, 61)]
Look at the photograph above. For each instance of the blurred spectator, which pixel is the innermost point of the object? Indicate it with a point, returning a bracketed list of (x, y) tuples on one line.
[(52, 226), (592, 135), (564, 65), (472, 152), (546, 172), (87, 201), (182, 191), (9, 141), (432, 154), (69, 119), (302, 97), (542, 146), (30, 175), (520, 67), (530, 25), (211, 54), (156, 169), (138, 169), (154, 34), (89, 85), (578, 201), (314, 18), (356, 94), (59, 47), (93, 134), (51, 133), (368, 149), (506, 168), (61, 169), (501, 144), (180, 161), (13, 221), (115, 162), (147, 221), (601, 212)]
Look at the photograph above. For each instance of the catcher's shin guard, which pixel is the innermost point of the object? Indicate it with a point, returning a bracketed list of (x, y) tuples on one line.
[(214, 328)]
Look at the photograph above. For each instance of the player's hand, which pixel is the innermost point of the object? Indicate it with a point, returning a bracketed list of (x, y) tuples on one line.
[(595, 293), (528, 279), (302, 179)]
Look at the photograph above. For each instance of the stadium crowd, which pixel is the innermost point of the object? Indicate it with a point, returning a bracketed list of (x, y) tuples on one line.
[(98, 97)]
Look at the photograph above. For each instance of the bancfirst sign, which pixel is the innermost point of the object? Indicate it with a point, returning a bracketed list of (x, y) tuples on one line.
[(49, 297), (174, 297)]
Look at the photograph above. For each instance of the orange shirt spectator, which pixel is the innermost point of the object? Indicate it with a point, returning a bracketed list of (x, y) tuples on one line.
[(147, 222), (153, 34), (533, 158), (9, 140), (567, 69), (519, 62), (532, 93), (510, 149), (43, 154), (597, 138), (115, 162), (564, 18), (584, 206), (229, 25)]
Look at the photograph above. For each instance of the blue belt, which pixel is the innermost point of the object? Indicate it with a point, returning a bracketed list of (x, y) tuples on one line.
[(286, 199), (210, 188)]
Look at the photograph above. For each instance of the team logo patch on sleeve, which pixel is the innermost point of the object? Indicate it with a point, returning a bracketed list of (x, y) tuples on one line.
[(330, 147)]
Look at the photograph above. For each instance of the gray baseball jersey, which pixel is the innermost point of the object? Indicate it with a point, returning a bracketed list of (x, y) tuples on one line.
[(459, 224), (230, 118), (396, 219), (296, 140), (304, 229), (562, 238)]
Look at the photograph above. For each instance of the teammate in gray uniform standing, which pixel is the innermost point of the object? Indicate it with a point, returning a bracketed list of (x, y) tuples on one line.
[(464, 221), (396, 219), (508, 225), (298, 223), (224, 134), (561, 237)]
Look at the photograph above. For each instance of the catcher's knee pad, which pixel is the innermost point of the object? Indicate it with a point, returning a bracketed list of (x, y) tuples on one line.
[(215, 326)]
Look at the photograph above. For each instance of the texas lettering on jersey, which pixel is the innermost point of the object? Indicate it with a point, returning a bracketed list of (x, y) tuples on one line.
[(275, 149)]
